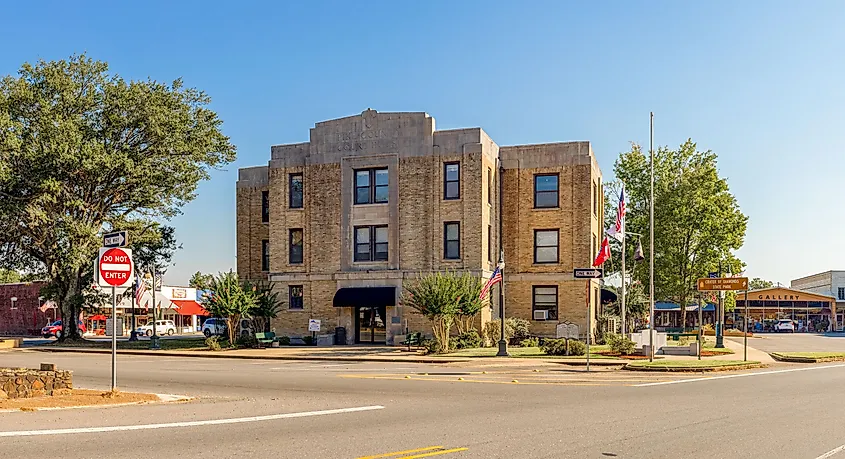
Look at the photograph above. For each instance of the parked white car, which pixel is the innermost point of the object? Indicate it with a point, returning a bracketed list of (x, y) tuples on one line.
[(163, 327), (214, 326), (786, 325)]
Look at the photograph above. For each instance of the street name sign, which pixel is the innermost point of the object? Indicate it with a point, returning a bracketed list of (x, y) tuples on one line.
[(588, 273), (722, 283), (114, 267), (116, 239)]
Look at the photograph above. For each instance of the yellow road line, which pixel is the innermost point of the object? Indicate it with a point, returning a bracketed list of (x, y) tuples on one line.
[(436, 453), (481, 381), (400, 453)]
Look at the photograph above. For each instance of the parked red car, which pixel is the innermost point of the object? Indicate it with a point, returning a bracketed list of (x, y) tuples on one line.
[(55, 329)]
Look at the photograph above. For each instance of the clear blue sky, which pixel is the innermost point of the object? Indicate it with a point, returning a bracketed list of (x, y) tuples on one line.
[(758, 82)]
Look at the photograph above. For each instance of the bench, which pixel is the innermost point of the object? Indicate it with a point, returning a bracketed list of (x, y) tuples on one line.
[(677, 336), (414, 339), (265, 338)]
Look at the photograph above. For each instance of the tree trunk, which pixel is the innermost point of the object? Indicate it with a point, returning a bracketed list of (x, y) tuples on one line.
[(234, 321), (69, 305)]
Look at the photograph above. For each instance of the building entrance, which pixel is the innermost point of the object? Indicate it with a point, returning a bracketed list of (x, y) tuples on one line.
[(370, 325)]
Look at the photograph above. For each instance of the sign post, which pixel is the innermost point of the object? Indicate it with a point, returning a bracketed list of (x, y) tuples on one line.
[(114, 269), (588, 273), (721, 284)]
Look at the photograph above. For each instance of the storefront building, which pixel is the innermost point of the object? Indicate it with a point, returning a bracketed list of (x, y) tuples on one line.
[(810, 312), (23, 312), (828, 283), (338, 224)]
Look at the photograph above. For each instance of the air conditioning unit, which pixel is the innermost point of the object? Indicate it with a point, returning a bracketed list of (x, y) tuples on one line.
[(541, 315)]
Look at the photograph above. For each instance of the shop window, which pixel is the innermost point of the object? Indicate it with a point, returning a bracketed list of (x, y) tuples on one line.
[(544, 304), (451, 180), (295, 293), (546, 246), (545, 191)]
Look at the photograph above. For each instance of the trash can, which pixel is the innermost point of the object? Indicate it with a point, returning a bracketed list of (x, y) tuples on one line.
[(340, 335), (154, 343)]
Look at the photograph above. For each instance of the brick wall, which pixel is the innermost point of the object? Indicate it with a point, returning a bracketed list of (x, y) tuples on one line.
[(26, 319)]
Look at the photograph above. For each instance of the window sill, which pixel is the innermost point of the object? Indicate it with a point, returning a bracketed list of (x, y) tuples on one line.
[(452, 260), (296, 310), (370, 204), (545, 263), (452, 199), (296, 208), (546, 208)]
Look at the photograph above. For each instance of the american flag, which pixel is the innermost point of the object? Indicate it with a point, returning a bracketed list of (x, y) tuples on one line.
[(618, 230), (140, 289), (496, 277)]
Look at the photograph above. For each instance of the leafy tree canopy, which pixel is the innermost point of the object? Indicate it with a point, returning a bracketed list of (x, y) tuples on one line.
[(84, 151)]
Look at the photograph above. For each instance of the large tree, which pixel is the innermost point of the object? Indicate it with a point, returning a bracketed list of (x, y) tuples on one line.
[(84, 151), (201, 281), (697, 220), (9, 276), (759, 284)]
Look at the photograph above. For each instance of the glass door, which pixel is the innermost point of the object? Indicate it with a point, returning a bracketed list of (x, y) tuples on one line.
[(370, 325)]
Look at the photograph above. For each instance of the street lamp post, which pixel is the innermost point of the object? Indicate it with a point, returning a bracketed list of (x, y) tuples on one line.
[(503, 343), (651, 243)]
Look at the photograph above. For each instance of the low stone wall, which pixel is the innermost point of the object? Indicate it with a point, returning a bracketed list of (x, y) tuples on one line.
[(25, 382)]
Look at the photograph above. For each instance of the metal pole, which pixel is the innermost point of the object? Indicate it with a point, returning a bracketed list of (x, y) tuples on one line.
[(113, 339), (700, 329), (589, 324), (745, 330), (651, 243), (720, 315), (503, 344), (155, 310), (624, 237)]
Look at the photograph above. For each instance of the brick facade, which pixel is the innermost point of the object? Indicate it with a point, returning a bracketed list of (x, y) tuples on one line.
[(414, 154), (23, 317)]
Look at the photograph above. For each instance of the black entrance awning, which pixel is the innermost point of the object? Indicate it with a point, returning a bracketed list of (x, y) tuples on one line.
[(364, 296)]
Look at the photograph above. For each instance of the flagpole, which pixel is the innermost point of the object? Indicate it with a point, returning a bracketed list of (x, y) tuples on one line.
[(624, 236), (503, 344), (651, 243)]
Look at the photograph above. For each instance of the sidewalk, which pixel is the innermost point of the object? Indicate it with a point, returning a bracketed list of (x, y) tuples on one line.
[(339, 354), (753, 354)]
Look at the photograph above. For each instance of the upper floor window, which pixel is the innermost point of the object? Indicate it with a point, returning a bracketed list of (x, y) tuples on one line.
[(295, 294), (545, 190), (489, 186), (265, 255), (546, 246), (265, 207), (451, 180), (452, 240), (490, 243), (842, 293), (295, 251), (370, 243), (595, 199), (295, 185), (371, 186)]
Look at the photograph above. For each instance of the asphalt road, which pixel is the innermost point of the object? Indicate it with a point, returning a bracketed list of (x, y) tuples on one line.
[(554, 412), (796, 342)]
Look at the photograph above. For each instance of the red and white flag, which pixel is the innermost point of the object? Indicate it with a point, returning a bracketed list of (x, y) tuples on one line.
[(618, 229), (495, 278), (604, 253)]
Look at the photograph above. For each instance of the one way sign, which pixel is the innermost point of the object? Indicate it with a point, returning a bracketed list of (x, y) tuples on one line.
[(588, 273), (116, 239)]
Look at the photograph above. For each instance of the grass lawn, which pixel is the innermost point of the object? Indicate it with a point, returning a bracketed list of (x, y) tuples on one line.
[(810, 356), (690, 364), (166, 344), (528, 352)]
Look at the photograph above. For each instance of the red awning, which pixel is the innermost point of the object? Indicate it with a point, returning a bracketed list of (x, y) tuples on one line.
[(98, 317), (189, 308)]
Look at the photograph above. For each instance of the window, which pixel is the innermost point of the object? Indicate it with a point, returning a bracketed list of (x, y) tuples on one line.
[(265, 255), (489, 186), (545, 190), (295, 293), (295, 186), (371, 243), (490, 243), (295, 252), (595, 199), (265, 207), (371, 186), (452, 240), (842, 293), (545, 299), (451, 180), (545, 246), (595, 248)]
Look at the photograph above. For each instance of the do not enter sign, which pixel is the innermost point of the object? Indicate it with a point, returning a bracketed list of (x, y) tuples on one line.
[(115, 267)]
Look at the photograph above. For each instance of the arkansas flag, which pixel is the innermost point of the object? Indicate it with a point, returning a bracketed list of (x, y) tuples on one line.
[(604, 253)]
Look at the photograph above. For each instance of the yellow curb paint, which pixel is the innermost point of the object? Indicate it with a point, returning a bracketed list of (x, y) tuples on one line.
[(399, 453)]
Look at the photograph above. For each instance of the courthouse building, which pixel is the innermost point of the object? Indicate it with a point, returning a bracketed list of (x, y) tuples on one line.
[(339, 223)]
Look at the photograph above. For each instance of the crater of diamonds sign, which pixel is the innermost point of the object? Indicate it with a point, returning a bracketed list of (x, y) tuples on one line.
[(722, 283)]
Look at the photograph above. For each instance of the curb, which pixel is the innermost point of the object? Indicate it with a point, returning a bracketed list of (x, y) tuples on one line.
[(783, 358), (162, 398), (222, 355), (746, 366)]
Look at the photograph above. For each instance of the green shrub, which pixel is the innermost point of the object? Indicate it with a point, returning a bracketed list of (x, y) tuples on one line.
[(284, 341), (521, 328), (563, 346), (530, 342), (620, 344), (308, 340), (492, 332), (431, 346), (213, 343), (468, 340), (246, 340)]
